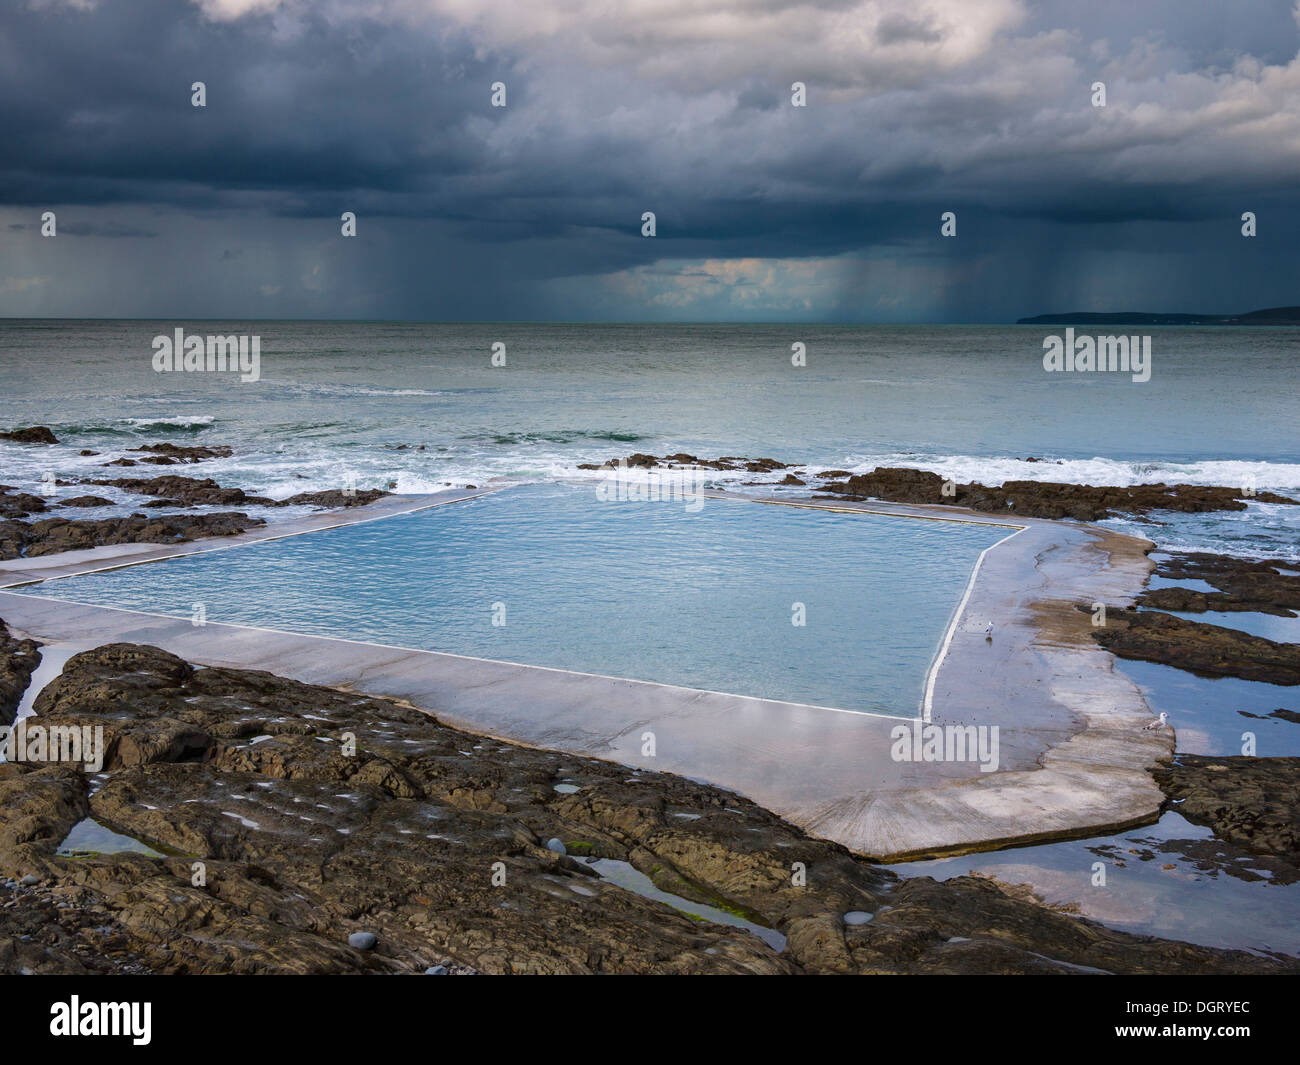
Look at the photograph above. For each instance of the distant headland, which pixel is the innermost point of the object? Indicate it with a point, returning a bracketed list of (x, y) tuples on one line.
[(1270, 316)]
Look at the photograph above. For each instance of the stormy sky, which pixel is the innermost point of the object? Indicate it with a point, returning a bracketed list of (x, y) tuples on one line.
[(765, 211)]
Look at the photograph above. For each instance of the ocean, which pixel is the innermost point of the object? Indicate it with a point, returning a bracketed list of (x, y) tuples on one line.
[(420, 406)]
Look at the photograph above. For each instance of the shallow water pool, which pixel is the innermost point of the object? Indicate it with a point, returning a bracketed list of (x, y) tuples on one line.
[(804, 605)]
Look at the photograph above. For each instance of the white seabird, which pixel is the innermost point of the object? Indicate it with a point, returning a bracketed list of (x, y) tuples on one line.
[(988, 633), (1160, 722)]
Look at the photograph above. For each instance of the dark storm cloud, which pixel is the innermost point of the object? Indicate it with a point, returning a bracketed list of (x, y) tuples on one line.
[(383, 109), (99, 103)]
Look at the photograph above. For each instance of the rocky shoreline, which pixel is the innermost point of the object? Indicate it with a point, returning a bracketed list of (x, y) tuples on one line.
[(1265, 586), (315, 814), (1028, 499), (20, 536), (1206, 650), (25, 535), (1262, 586), (18, 660), (1254, 802)]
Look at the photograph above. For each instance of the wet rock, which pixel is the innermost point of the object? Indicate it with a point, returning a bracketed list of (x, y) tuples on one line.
[(53, 535), (1254, 802), (972, 925), (18, 660), (85, 452), (1041, 499), (86, 501), (683, 459), (20, 504), (184, 453), (1207, 650), (1280, 714), (245, 772), (192, 491), (335, 497), (1259, 585), (42, 932), (363, 940), (32, 434), (13, 535), (19, 538)]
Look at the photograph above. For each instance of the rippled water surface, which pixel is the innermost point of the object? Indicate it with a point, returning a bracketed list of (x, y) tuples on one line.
[(650, 591)]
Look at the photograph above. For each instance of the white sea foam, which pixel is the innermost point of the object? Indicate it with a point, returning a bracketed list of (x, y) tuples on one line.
[(323, 458), (1263, 476)]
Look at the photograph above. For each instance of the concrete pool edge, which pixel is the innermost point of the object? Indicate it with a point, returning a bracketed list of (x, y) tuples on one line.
[(1075, 757)]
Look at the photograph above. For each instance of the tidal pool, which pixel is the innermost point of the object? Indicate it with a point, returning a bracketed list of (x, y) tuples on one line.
[(802, 605)]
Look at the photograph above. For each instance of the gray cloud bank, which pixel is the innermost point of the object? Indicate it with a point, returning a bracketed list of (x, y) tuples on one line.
[(764, 210)]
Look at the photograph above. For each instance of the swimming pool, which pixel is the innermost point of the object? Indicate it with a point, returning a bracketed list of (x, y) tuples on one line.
[(797, 604)]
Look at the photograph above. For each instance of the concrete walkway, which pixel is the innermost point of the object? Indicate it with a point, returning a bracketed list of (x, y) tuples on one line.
[(1072, 757)]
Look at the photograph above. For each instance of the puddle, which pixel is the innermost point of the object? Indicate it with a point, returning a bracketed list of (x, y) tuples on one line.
[(1267, 626), (1192, 584), (1172, 879), (54, 656), (1208, 713), (89, 837), (624, 875)]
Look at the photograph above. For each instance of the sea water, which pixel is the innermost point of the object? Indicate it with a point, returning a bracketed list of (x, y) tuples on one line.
[(803, 605), (422, 405)]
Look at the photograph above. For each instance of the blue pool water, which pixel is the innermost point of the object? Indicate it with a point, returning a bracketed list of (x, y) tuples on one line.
[(649, 591)]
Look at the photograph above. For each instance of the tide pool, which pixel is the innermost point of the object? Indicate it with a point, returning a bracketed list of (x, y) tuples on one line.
[(803, 605)]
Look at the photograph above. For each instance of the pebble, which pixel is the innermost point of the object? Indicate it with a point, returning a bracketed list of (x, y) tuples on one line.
[(29, 880), (857, 917), (436, 970), (363, 940), (557, 846)]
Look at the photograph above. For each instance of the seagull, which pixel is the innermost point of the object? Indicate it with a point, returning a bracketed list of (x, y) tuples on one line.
[(988, 633), (1160, 722)]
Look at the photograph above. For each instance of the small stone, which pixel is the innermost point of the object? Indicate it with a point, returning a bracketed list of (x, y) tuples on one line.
[(363, 940), (29, 880), (557, 846), (436, 970), (855, 917)]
